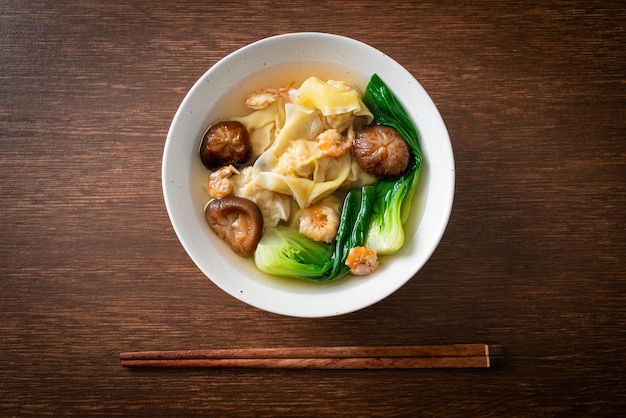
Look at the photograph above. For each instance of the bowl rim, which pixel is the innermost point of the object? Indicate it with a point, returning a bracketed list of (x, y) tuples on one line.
[(285, 302)]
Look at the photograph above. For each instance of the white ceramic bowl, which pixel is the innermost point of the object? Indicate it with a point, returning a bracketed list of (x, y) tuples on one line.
[(276, 61)]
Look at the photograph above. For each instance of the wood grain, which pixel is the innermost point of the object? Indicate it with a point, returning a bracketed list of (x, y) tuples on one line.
[(534, 97)]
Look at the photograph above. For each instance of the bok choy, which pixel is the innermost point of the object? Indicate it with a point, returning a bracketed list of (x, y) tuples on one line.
[(284, 251), (392, 202)]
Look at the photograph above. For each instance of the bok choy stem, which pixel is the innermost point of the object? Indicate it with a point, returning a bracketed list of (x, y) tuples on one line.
[(355, 216), (392, 202)]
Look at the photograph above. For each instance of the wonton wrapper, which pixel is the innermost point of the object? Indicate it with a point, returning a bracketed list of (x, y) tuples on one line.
[(274, 207), (262, 126), (294, 164), (332, 99)]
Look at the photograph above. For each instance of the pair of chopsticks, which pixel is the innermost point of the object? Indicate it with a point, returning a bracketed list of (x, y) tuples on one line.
[(375, 357)]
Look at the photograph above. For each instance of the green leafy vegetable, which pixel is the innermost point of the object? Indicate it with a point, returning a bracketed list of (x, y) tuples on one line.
[(386, 229), (392, 201), (284, 251), (387, 110), (355, 216)]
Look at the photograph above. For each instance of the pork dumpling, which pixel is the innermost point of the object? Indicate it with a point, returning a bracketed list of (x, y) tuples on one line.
[(275, 207), (263, 125), (295, 165), (332, 98)]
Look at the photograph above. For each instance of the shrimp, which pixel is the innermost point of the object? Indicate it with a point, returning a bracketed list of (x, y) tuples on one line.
[(260, 99), (333, 144), (362, 260), (320, 223), (220, 184)]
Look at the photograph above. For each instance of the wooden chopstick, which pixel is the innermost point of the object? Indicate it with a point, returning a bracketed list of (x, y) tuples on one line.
[(346, 357)]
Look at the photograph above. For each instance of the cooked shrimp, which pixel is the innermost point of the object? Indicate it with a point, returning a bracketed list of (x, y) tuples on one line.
[(320, 223), (296, 161), (333, 144), (220, 184), (362, 260), (260, 99)]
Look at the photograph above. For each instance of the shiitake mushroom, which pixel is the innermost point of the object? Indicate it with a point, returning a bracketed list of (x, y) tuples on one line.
[(236, 220), (225, 143), (381, 151)]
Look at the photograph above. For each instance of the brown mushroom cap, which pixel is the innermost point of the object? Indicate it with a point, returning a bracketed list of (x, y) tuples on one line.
[(225, 143), (236, 220), (381, 151)]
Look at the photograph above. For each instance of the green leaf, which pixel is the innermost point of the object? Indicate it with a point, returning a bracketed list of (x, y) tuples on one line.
[(392, 201)]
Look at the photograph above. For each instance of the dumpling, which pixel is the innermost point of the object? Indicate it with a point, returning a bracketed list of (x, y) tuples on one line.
[(294, 165), (328, 175), (263, 125), (332, 98), (274, 207)]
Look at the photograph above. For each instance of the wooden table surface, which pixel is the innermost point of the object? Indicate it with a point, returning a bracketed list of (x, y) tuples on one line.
[(534, 97)]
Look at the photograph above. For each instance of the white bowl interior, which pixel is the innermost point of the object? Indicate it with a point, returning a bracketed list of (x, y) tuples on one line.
[(275, 62)]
